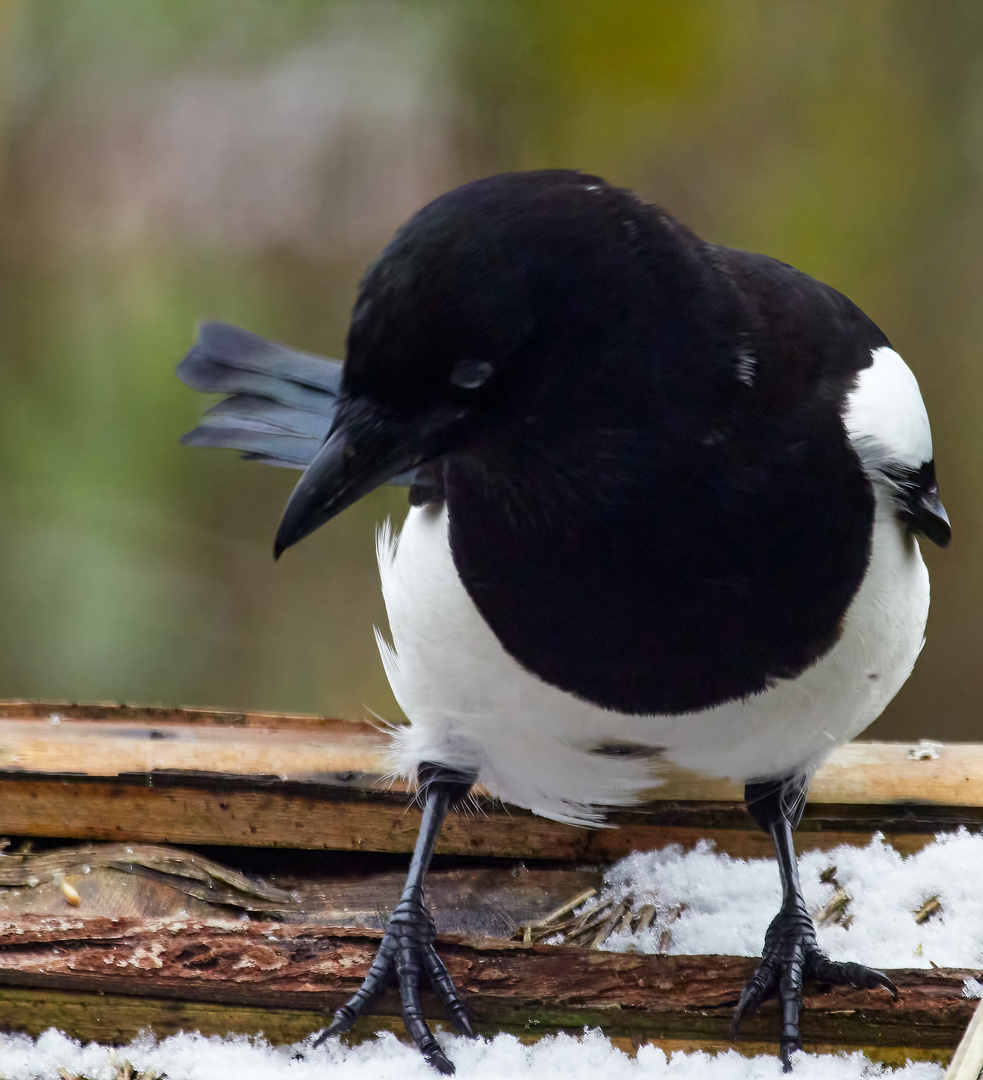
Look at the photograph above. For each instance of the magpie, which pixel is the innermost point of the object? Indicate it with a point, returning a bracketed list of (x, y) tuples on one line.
[(664, 505)]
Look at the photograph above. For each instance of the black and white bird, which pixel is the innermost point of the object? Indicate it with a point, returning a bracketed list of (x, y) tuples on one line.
[(665, 499)]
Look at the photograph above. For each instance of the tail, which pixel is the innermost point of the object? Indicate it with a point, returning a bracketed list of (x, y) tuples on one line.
[(280, 403)]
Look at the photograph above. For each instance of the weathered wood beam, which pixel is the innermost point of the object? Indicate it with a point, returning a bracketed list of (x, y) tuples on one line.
[(163, 809), (194, 777), (147, 880), (967, 1061), (117, 1019), (116, 740), (533, 989)]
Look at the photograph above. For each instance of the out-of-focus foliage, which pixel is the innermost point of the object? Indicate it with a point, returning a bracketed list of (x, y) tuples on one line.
[(169, 160)]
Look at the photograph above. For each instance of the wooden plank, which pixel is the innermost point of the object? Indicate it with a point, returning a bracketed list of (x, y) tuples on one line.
[(967, 1061), (107, 740), (246, 779), (148, 880), (294, 967), (112, 748), (165, 812), (114, 712), (116, 1019)]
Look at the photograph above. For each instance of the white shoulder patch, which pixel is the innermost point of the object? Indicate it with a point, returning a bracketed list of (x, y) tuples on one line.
[(885, 416)]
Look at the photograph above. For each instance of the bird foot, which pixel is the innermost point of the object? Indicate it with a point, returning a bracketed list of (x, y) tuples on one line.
[(791, 955), (405, 954)]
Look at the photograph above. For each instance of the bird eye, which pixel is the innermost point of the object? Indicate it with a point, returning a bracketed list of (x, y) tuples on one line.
[(469, 374)]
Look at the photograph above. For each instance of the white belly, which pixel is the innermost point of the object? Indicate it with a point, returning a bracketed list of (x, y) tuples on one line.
[(472, 705)]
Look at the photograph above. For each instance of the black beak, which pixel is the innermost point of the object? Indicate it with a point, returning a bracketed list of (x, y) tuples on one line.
[(366, 447), (929, 517)]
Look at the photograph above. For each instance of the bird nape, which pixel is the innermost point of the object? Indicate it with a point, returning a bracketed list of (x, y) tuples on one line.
[(664, 496)]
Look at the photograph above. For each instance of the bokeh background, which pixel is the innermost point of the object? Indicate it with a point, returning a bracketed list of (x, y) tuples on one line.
[(165, 161)]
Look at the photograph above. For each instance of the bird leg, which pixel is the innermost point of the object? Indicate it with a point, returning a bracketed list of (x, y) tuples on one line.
[(407, 952), (791, 952)]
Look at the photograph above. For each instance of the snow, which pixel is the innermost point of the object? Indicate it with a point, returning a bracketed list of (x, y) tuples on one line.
[(727, 903), (705, 902), (194, 1057)]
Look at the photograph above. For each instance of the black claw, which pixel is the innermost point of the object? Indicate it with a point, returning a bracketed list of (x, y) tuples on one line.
[(791, 952), (406, 952), (443, 984), (791, 955), (757, 989), (834, 973), (439, 1060), (460, 1019), (343, 1020)]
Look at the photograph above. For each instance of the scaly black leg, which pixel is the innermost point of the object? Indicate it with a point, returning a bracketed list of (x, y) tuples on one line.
[(791, 953), (407, 951)]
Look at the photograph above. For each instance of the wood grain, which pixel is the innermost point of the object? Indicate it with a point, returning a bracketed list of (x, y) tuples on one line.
[(151, 881), (967, 1061), (117, 1019), (509, 986), (163, 811), (121, 773), (115, 740)]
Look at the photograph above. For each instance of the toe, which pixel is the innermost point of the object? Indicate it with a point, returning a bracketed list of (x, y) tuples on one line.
[(790, 998), (835, 973), (379, 976), (438, 1059), (407, 956), (409, 968), (448, 993), (757, 989)]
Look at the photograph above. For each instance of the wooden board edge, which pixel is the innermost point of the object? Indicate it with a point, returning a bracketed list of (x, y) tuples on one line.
[(116, 1020)]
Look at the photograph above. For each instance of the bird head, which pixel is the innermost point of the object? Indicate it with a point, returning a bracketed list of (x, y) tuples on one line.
[(454, 319)]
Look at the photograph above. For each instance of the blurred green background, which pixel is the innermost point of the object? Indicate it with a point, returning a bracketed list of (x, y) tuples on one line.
[(164, 161)]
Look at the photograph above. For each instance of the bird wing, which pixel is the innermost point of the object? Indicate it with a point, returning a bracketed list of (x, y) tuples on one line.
[(280, 403)]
